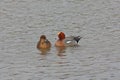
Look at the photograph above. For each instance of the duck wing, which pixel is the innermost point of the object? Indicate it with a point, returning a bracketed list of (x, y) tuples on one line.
[(77, 38)]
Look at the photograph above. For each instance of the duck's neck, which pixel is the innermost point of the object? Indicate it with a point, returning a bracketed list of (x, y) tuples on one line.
[(60, 39), (42, 40), (59, 43)]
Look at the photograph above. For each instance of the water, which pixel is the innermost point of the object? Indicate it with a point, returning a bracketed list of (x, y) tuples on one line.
[(23, 21)]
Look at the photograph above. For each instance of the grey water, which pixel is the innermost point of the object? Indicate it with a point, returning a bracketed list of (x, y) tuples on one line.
[(23, 21)]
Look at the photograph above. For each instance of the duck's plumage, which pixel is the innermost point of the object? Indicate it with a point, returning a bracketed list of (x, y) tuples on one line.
[(67, 41), (71, 41), (43, 43)]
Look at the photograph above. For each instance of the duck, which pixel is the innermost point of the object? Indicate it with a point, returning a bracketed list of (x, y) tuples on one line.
[(43, 44), (64, 41)]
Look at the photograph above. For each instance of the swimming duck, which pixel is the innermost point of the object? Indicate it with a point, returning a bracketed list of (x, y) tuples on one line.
[(67, 41), (43, 43)]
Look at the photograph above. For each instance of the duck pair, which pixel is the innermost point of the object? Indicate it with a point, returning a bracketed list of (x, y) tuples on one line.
[(62, 41)]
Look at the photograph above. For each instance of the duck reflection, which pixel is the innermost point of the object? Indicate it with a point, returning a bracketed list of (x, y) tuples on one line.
[(43, 45), (63, 42), (44, 51), (61, 51)]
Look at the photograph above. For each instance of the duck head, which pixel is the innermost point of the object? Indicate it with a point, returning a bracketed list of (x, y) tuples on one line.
[(42, 37), (61, 35)]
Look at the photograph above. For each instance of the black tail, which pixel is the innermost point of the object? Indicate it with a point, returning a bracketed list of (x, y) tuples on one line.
[(77, 39)]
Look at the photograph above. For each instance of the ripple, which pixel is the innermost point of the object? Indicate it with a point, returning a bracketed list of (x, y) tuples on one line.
[(97, 57)]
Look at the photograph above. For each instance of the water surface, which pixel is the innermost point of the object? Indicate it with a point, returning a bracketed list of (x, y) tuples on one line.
[(23, 21)]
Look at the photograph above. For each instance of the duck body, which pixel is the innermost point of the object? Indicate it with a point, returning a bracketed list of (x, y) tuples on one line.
[(67, 41), (72, 40), (43, 43)]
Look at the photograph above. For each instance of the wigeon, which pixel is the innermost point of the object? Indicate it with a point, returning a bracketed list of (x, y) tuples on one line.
[(43, 44), (67, 41)]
